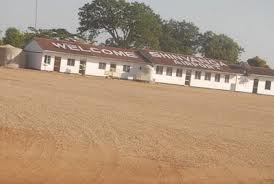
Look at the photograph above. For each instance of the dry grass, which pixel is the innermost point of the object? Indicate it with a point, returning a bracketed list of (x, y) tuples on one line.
[(57, 128)]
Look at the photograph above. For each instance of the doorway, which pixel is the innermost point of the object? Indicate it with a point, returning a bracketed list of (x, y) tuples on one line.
[(255, 86), (82, 68), (188, 77), (113, 67), (57, 64)]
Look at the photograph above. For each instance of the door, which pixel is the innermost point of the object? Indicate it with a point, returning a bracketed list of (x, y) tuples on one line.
[(82, 68), (188, 77), (113, 67), (255, 86), (57, 64)]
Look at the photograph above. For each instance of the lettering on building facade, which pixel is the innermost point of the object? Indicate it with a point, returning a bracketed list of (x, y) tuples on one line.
[(190, 60), (95, 50)]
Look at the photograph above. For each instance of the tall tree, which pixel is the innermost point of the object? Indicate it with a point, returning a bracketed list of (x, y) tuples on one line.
[(220, 47), (258, 62), (180, 37), (14, 37), (127, 24)]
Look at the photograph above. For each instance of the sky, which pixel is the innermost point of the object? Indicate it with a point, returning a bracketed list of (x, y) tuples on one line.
[(248, 22)]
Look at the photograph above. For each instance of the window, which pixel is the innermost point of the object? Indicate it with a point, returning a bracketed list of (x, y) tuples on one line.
[(267, 85), (159, 70), (217, 77), (71, 62), (47, 59), (198, 75), (207, 76), (102, 66), (113, 67), (126, 68), (179, 72), (169, 71), (227, 77)]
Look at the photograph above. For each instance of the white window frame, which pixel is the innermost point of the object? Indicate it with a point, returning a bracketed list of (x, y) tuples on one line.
[(47, 59)]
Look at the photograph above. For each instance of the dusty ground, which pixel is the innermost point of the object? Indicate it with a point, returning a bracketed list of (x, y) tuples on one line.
[(57, 128)]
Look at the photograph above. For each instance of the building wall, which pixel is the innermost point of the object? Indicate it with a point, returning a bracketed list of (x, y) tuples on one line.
[(262, 82), (34, 55), (34, 60), (195, 82), (47, 67), (65, 68), (245, 84), (92, 66), (212, 84), (164, 78)]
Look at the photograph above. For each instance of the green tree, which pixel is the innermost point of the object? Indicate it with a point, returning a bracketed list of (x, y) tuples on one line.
[(58, 33), (220, 47), (257, 62), (131, 25), (14, 37), (180, 37)]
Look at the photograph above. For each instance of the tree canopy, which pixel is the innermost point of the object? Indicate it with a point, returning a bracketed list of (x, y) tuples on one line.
[(135, 25), (180, 37), (58, 33), (17, 38), (14, 37), (220, 47), (257, 62), (128, 24)]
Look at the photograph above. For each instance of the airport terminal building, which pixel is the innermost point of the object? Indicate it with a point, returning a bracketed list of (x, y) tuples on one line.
[(146, 65)]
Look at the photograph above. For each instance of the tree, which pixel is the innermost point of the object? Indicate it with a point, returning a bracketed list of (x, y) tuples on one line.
[(14, 37), (257, 62), (220, 47), (59, 33), (130, 25), (180, 37)]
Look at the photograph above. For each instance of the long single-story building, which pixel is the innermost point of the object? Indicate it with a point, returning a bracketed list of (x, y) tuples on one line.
[(146, 65)]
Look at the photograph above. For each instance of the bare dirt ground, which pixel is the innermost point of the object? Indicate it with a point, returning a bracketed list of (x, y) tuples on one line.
[(57, 128)]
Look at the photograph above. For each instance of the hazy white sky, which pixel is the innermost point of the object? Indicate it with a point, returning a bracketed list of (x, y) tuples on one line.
[(249, 22)]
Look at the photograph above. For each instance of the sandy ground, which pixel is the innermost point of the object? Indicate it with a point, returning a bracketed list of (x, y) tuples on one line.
[(58, 128)]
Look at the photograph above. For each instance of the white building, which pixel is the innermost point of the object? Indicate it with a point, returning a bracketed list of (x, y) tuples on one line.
[(77, 58), (159, 67)]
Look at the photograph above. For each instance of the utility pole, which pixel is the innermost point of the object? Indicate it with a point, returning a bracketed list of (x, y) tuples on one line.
[(36, 13)]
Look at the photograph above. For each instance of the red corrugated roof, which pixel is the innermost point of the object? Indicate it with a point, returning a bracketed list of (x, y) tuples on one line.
[(88, 50), (179, 60), (261, 71)]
